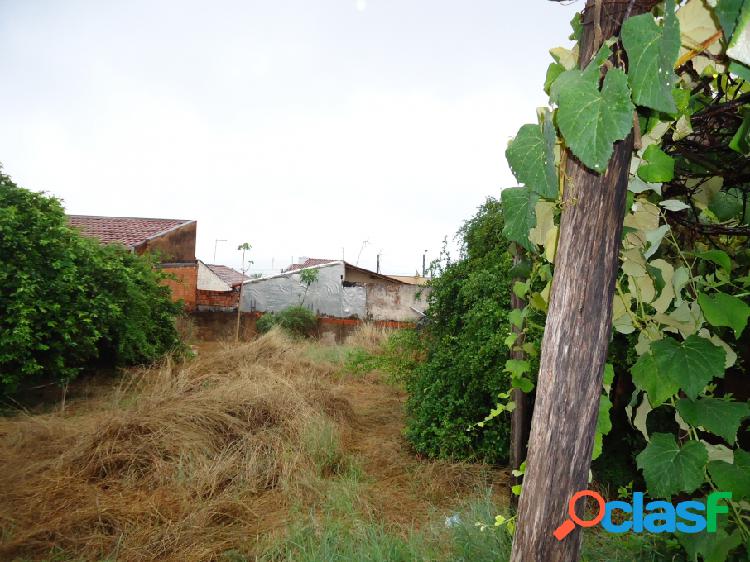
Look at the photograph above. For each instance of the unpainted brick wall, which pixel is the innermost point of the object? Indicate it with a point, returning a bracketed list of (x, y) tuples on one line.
[(223, 299), (185, 284)]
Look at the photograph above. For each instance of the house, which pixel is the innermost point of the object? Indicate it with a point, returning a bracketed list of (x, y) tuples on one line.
[(411, 279), (218, 287), (341, 291), (171, 240)]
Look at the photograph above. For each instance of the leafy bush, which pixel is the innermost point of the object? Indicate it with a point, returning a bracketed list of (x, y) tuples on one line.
[(398, 356), (458, 383), (265, 323), (66, 301), (295, 320)]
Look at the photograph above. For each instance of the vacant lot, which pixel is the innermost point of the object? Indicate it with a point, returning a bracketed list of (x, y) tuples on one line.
[(263, 450)]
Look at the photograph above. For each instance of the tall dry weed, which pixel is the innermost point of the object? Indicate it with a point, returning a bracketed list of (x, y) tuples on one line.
[(179, 462)]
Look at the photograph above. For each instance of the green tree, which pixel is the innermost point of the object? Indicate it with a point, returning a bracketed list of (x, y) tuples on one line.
[(457, 384), (68, 302), (307, 277)]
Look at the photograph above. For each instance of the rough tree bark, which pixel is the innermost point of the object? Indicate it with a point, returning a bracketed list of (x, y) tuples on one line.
[(520, 423), (577, 332)]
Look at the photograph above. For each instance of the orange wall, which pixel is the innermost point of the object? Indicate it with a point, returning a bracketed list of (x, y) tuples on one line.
[(185, 284)]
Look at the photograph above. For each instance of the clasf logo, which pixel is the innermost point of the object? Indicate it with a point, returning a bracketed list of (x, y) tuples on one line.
[(655, 517)]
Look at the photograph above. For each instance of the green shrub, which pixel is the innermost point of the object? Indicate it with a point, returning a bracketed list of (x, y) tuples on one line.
[(265, 323), (458, 383), (295, 320), (68, 302)]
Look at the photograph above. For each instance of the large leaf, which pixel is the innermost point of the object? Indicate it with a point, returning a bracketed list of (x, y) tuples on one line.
[(591, 120), (721, 309), (532, 160), (603, 425), (719, 257), (519, 204), (671, 365), (739, 45), (659, 386), (733, 478), (660, 167), (652, 53), (727, 12), (710, 547), (669, 469), (720, 417)]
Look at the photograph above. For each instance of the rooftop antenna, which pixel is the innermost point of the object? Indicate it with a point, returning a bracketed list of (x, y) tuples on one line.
[(216, 243), (362, 247)]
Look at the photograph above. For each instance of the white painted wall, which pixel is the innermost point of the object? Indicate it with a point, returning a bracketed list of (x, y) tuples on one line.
[(395, 302), (326, 296), (209, 281)]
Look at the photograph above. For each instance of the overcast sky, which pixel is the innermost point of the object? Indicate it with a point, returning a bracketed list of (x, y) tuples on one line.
[(299, 126)]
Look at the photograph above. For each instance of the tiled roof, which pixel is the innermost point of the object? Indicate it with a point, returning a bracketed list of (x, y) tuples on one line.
[(130, 231), (230, 276), (309, 262)]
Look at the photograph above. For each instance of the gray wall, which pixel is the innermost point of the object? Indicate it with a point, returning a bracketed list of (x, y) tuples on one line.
[(326, 297)]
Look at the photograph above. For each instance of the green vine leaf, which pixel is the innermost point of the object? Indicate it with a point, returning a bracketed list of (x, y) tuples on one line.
[(719, 257), (732, 477), (727, 12), (652, 52), (603, 425), (720, 417), (671, 365), (721, 309), (710, 547), (669, 469), (590, 120), (517, 367), (660, 166), (519, 209), (554, 70), (532, 159)]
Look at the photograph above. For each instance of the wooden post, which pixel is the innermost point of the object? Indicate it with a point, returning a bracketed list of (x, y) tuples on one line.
[(520, 418), (239, 312), (577, 332)]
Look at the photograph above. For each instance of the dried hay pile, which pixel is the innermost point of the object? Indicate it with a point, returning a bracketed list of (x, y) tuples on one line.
[(180, 462)]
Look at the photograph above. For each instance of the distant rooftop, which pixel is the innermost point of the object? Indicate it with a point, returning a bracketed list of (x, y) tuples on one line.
[(129, 231), (309, 262), (230, 276)]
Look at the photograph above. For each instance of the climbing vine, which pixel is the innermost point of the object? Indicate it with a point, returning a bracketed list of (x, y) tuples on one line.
[(678, 80)]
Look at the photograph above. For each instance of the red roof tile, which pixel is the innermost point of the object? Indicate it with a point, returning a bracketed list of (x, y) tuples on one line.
[(130, 231), (230, 276), (309, 262)]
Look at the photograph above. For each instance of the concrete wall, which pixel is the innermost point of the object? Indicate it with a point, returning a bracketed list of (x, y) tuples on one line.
[(222, 325), (393, 302), (175, 246), (326, 297)]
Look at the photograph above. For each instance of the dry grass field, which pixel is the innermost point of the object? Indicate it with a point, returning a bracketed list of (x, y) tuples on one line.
[(248, 451)]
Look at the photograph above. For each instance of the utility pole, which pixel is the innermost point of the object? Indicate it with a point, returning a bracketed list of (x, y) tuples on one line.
[(245, 247), (424, 264)]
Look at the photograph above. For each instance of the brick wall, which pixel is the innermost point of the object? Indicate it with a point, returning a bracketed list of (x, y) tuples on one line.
[(217, 300), (175, 246), (185, 283)]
